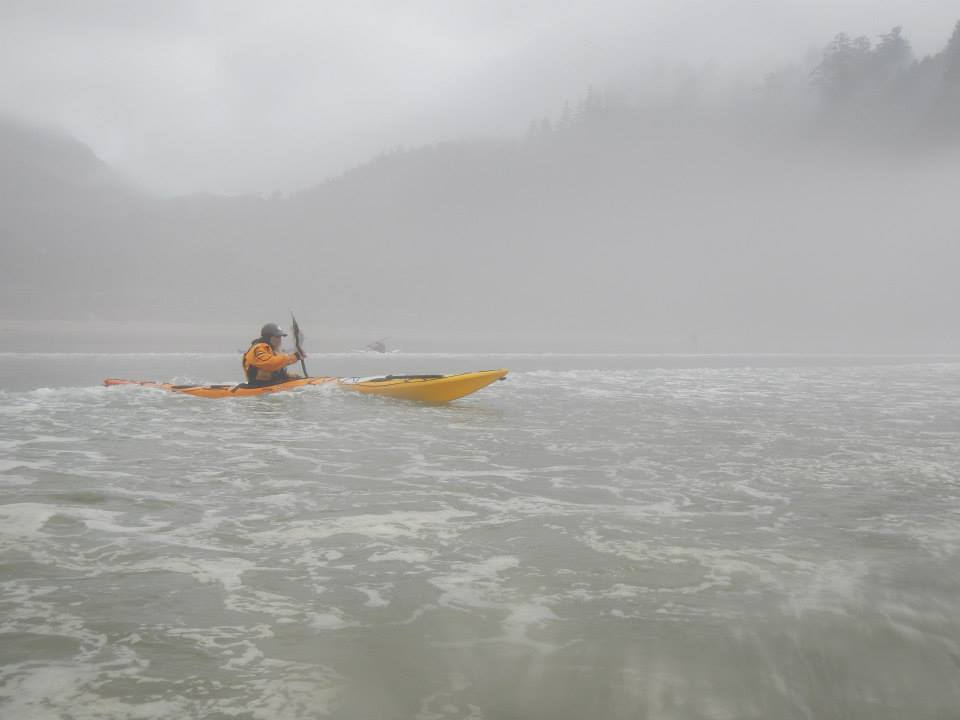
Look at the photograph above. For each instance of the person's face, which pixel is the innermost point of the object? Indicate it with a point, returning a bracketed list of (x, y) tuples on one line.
[(275, 341)]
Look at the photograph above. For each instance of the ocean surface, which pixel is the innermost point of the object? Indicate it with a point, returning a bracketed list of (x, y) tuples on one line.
[(599, 536)]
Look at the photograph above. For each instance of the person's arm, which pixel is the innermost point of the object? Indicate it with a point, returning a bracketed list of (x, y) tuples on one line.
[(265, 359)]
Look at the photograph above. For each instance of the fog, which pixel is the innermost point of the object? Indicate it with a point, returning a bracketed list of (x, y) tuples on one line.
[(243, 97), (662, 178)]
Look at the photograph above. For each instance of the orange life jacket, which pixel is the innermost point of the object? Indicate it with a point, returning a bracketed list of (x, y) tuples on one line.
[(261, 365)]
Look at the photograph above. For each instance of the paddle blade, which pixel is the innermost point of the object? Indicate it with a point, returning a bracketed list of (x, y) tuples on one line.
[(298, 341), (297, 335)]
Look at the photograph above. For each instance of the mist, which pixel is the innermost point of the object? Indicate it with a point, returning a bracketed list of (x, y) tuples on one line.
[(523, 179), (235, 97)]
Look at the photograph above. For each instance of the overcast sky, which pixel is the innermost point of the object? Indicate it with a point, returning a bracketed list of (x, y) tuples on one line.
[(252, 96)]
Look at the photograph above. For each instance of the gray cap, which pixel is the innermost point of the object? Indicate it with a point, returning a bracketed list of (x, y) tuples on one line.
[(272, 329)]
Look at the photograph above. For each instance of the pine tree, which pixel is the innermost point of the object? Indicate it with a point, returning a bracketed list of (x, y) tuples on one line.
[(951, 71), (946, 111), (891, 55), (840, 73)]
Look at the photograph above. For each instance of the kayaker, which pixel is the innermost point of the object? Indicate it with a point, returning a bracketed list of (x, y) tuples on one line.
[(263, 363)]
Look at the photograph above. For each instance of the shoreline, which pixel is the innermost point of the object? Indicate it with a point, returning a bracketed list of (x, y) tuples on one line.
[(231, 337)]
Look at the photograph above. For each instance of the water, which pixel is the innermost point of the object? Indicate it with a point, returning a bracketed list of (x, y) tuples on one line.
[(597, 537)]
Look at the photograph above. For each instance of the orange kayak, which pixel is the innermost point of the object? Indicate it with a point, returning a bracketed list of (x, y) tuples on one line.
[(422, 388)]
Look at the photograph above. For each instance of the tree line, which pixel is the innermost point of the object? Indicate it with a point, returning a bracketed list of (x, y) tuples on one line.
[(858, 88)]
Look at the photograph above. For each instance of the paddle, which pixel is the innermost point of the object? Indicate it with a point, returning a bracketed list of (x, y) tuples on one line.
[(297, 339)]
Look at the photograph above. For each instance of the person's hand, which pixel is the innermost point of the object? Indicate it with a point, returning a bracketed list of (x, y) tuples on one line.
[(300, 355)]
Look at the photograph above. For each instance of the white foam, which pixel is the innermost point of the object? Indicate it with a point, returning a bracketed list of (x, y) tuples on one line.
[(224, 571), (471, 586), (283, 500), (277, 607), (251, 653), (6, 465), (52, 692), (411, 555), (24, 520), (395, 524), (374, 596), (524, 616), (332, 620)]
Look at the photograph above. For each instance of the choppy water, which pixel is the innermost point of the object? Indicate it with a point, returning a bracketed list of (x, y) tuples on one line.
[(606, 537)]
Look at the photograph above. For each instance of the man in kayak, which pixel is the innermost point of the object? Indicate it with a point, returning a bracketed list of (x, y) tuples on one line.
[(263, 363)]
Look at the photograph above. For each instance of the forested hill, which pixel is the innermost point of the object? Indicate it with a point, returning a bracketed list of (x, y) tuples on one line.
[(814, 212), (43, 167), (882, 89)]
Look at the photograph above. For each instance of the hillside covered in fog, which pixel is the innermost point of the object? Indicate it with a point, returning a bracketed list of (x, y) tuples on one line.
[(812, 213)]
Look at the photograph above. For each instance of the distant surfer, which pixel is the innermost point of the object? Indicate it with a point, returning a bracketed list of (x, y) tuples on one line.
[(263, 363)]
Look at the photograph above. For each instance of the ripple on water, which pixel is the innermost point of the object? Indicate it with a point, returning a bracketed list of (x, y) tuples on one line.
[(708, 541)]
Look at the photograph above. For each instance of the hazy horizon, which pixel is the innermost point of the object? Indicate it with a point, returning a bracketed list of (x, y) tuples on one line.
[(793, 194)]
